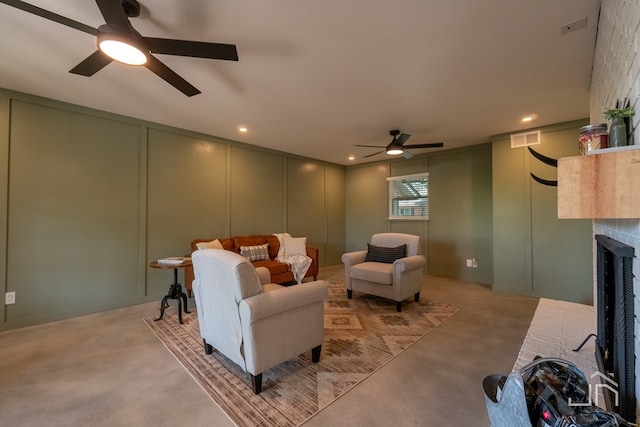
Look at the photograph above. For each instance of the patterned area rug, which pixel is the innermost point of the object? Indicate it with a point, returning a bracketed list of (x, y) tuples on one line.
[(361, 335)]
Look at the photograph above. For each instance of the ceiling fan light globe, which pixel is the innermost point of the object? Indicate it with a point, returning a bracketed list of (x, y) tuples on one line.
[(122, 52), (395, 151)]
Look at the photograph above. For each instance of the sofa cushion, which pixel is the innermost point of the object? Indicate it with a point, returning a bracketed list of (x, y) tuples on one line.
[(227, 244), (254, 240), (387, 255), (274, 267), (274, 245), (255, 253), (378, 272)]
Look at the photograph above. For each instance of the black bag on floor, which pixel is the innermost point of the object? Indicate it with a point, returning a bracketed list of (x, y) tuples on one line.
[(556, 394)]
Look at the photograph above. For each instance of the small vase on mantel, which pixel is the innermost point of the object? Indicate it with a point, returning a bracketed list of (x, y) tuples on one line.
[(618, 128), (617, 132)]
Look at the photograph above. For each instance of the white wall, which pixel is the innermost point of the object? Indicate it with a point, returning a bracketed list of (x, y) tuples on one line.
[(616, 75)]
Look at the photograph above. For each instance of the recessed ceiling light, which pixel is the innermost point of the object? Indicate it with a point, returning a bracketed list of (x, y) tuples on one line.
[(352, 158), (242, 129), (529, 118)]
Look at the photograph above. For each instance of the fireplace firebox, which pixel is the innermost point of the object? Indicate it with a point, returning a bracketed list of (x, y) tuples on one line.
[(615, 349)]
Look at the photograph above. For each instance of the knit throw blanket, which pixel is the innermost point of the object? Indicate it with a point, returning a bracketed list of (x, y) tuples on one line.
[(299, 263)]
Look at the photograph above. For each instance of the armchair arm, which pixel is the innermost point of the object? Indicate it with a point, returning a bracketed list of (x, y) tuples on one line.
[(409, 263), (407, 276), (352, 258), (267, 304)]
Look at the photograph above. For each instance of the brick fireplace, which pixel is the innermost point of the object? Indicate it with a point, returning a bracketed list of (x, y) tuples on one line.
[(616, 76), (615, 312), (627, 232)]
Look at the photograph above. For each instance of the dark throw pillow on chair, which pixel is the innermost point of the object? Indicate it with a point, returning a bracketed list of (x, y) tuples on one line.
[(382, 254)]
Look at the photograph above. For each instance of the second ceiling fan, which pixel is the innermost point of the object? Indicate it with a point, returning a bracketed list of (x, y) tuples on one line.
[(396, 146)]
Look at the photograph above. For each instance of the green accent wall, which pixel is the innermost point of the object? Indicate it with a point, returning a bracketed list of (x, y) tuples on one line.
[(335, 202), (186, 197), (307, 183), (73, 219), (366, 203), (535, 253), (460, 219), (257, 183), (89, 199)]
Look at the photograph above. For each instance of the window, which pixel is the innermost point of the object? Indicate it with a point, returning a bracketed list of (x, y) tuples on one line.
[(409, 196)]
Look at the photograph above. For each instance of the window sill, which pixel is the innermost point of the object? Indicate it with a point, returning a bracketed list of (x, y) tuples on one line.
[(407, 218)]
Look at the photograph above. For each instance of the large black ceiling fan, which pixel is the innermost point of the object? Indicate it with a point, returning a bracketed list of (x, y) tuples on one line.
[(396, 146), (119, 33)]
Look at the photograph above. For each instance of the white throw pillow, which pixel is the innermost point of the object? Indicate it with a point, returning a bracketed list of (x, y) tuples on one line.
[(281, 237), (295, 246), (214, 244)]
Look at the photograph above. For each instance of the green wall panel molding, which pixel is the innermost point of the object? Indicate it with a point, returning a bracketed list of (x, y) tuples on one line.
[(93, 197), (5, 110), (366, 204), (73, 212), (306, 207), (460, 221), (186, 199), (335, 201), (257, 192), (535, 253)]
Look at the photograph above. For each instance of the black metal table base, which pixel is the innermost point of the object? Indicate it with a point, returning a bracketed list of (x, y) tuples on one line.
[(175, 292)]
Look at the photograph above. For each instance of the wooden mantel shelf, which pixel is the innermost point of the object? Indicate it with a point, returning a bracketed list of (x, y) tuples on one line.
[(605, 185)]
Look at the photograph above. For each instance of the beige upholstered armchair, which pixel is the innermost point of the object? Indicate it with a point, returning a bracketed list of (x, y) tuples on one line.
[(256, 324), (390, 268)]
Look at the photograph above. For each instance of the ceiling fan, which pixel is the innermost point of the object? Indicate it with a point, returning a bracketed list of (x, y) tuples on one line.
[(118, 40), (396, 146)]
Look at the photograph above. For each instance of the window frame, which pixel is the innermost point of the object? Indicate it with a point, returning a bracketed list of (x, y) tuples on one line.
[(413, 177)]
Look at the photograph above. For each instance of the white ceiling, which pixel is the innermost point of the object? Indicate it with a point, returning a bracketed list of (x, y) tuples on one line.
[(316, 78)]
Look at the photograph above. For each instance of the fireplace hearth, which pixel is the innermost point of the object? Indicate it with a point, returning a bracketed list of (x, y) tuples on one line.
[(615, 324)]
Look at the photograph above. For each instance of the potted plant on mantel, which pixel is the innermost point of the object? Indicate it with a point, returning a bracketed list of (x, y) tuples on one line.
[(618, 129)]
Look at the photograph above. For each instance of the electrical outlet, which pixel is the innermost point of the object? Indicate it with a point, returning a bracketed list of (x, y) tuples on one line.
[(474, 263), (9, 298), (469, 262)]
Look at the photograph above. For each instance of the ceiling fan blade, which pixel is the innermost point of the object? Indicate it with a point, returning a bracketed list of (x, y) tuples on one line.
[(374, 154), (402, 138), (374, 146), (227, 52), (50, 16), (92, 64), (170, 76), (406, 154), (432, 145), (114, 14)]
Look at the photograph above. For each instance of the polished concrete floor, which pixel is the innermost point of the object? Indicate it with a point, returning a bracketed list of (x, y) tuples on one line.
[(109, 369)]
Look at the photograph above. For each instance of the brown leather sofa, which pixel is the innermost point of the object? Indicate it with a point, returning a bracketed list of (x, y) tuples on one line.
[(280, 272)]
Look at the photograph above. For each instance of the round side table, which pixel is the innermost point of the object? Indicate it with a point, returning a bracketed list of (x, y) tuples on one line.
[(175, 290)]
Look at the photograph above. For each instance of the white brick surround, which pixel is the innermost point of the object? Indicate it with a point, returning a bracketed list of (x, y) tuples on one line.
[(616, 75), (616, 67)]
